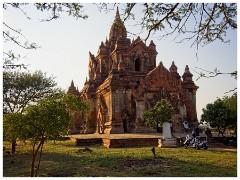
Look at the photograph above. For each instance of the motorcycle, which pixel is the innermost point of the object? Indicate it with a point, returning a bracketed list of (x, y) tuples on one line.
[(195, 142)]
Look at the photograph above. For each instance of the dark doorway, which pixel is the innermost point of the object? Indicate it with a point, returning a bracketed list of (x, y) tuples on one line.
[(124, 125), (137, 65)]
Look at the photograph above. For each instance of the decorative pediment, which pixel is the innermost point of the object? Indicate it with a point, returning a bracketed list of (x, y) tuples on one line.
[(161, 77), (138, 45)]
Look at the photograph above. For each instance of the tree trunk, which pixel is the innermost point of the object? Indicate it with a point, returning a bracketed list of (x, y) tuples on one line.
[(34, 154), (33, 161), (14, 147), (40, 157)]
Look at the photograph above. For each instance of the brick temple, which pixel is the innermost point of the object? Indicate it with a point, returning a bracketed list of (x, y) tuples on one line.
[(124, 81)]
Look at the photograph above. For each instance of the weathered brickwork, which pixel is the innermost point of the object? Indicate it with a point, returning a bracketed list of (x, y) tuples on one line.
[(124, 81), (129, 142)]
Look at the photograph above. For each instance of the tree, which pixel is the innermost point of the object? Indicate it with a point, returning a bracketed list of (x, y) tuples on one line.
[(231, 104), (161, 112), (217, 115), (202, 23), (75, 105), (11, 34), (47, 120), (12, 128), (21, 89)]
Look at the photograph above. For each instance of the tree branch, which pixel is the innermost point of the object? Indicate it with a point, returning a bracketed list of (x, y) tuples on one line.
[(233, 25), (159, 22), (214, 73), (128, 10), (32, 46)]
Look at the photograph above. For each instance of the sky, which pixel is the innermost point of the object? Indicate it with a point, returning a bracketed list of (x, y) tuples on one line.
[(66, 42)]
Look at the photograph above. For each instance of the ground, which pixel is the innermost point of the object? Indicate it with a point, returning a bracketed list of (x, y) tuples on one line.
[(65, 159)]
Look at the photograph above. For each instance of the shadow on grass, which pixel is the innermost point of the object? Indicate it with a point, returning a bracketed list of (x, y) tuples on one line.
[(105, 162)]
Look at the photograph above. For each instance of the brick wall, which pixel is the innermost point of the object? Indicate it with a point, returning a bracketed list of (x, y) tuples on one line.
[(88, 142), (131, 142)]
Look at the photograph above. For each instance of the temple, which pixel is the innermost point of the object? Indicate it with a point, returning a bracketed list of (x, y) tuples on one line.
[(124, 81)]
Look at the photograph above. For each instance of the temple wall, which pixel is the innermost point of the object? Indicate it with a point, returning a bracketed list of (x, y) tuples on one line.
[(90, 123)]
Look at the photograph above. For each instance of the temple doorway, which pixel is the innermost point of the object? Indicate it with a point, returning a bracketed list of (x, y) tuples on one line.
[(137, 65), (125, 125)]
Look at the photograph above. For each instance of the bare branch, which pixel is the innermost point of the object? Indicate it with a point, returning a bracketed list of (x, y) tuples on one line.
[(214, 73), (32, 46), (105, 7), (24, 12), (17, 31), (231, 90)]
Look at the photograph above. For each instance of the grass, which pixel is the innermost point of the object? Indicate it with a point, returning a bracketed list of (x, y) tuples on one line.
[(62, 160)]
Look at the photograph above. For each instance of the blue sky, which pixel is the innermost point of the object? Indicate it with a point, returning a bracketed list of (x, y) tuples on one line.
[(66, 42)]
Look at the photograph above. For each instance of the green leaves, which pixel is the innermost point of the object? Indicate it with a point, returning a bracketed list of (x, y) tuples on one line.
[(231, 104), (73, 103), (57, 9), (20, 89), (161, 112), (49, 118), (222, 113), (202, 23), (12, 126)]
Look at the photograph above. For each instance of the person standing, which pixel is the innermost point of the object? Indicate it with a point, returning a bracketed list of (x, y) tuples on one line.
[(186, 126), (208, 134), (196, 131), (159, 128)]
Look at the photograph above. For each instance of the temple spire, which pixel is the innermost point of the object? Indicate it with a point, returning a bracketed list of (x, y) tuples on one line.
[(117, 16), (72, 84), (86, 81), (118, 29), (173, 70), (187, 75), (72, 89)]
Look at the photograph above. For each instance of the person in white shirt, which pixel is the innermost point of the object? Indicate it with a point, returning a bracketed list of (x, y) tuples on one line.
[(185, 125)]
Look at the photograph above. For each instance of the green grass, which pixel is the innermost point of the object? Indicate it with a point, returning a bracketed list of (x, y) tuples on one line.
[(62, 160)]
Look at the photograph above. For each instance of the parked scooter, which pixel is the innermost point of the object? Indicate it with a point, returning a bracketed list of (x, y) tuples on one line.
[(195, 143)]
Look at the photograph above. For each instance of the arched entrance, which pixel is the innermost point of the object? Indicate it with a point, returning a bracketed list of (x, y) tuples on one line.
[(137, 65)]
